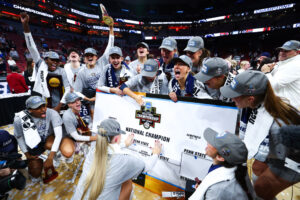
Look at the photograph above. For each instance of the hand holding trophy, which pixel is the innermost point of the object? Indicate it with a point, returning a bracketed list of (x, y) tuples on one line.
[(105, 17)]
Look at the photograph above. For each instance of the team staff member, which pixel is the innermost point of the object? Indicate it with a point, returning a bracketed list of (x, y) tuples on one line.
[(168, 51), (214, 74), (115, 73), (47, 67), (106, 167), (227, 178), (151, 80), (142, 53), (34, 128), (284, 75), (253, 90), (184, 84)]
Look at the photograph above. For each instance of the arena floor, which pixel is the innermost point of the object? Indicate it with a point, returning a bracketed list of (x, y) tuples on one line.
[(63, 188)]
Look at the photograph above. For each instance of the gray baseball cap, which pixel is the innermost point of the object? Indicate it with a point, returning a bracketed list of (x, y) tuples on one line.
[(169, 43), (111, 126), (183, 58), (290, 45), (115, 50), (90, 51), (34, 102), (52, 55), (194, 44), (71, 97), (228, 145), (247, 83), (150, 68), (127, 58), (212, 67), (142, 44)]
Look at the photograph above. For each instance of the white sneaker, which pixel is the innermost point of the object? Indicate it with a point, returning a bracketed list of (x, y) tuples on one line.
[(35, 180), (56, 160)]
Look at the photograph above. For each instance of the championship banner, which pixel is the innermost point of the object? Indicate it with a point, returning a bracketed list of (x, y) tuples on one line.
[(178, 126)]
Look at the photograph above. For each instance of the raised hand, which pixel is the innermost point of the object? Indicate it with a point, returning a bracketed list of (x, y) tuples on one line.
[(24, 17)]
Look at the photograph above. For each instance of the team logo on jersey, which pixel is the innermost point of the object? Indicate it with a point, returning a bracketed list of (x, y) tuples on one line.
[(147, 116)]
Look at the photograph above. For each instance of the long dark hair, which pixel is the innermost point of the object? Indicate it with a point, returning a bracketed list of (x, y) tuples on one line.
[(278, 107), (240, 175)]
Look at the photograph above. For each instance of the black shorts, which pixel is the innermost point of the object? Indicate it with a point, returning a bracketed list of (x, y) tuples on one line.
[(37, 150)]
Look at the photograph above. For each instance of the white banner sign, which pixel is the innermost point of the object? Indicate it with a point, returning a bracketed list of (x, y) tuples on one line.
[(179, 127)]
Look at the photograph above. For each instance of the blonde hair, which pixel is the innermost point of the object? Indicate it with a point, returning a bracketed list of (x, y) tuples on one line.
[(96, 178), (243, 63)]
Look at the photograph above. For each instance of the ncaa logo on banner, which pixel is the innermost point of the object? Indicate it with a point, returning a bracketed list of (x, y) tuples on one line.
[(147, 116)]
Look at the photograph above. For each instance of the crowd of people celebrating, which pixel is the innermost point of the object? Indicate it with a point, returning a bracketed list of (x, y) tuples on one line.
[(267, 96)]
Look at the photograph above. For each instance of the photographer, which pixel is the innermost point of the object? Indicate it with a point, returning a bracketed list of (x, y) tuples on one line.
[(9, 161)]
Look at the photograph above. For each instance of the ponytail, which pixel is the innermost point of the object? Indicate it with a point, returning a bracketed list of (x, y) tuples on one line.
[(240, 176), (96, 178)]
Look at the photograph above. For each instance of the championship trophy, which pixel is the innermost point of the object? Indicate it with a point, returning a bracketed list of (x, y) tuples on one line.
[(105, 17)]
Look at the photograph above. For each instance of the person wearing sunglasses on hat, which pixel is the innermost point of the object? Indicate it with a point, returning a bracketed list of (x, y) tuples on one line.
[(107, 167), (284, 75), (50, 79), (227, 178), (252, 89), (184, 84)]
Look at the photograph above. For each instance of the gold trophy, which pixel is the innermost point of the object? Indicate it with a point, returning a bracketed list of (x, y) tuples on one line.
[(105, 17)]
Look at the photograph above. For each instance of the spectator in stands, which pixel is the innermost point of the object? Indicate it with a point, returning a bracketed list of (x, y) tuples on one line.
[(263, 62), (284, 75), (11, 62), (168, 51), (244, 65), (102, 179), (27, 54), (14, 54), (88, 77), (232, 65), (215, 74), (261, 57), (43, 131), (196, 51), (16, 82), (114, 74), (150, 80), (127, 60), (227, 178), (2, 66), (184, 84), (252, 89), (28, 73), (51, 81), (2, 39), (142, 53)]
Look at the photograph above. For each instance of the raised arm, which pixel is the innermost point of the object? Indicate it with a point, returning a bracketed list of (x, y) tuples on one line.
[(111, 40), (28, 37)]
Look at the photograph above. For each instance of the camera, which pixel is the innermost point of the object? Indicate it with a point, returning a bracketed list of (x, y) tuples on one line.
[(16, 179)]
